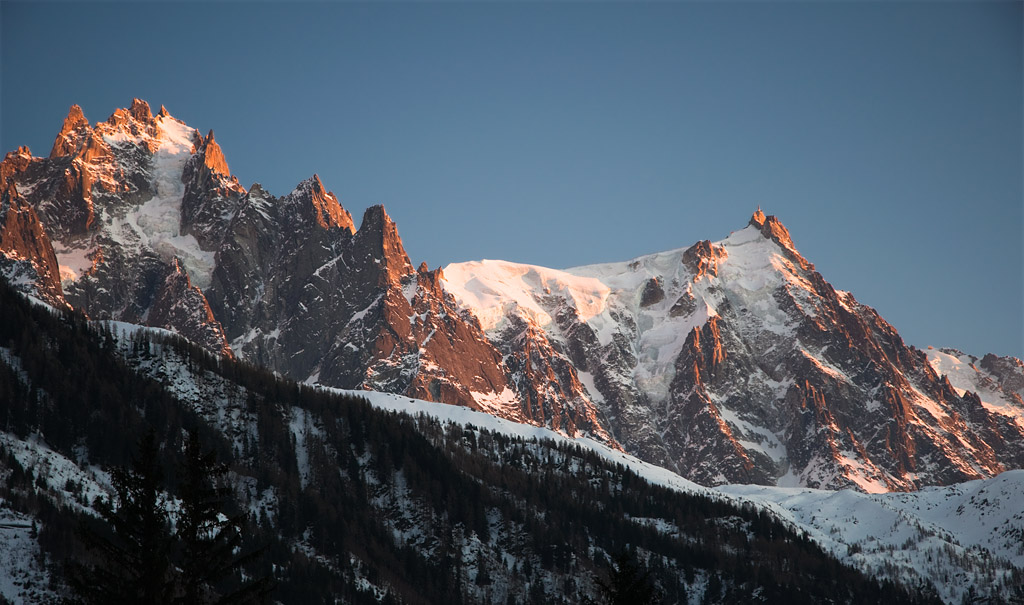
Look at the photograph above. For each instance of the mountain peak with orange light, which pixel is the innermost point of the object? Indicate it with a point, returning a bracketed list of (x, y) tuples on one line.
[(727, 361)]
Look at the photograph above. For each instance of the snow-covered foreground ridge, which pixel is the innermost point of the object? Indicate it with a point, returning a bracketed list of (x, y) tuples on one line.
[(467, 417), (958, 538)]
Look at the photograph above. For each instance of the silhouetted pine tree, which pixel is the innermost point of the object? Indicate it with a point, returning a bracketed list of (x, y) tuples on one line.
[(627, 584), (207, 540), (132, 562)]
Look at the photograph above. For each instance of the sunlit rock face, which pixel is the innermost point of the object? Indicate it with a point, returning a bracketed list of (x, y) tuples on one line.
[(108, 198), (139, 219), (727, 361), (736, 362), (27, 258)]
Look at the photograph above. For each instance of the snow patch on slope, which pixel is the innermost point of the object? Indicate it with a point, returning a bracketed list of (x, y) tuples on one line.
[(965, 374), (23, 575), (465, 416), (953, 537), (970, 534), (155, 224), (491, 288)]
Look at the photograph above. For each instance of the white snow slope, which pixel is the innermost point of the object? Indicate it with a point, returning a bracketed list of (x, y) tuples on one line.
[(155, 224), (965, 374), (955, 538), (746, 274), (608, 298)]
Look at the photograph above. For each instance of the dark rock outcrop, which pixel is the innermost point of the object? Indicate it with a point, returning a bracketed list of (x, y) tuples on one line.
[(182, 307)]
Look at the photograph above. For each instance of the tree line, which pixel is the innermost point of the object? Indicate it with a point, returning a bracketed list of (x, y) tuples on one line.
[(425, 512)]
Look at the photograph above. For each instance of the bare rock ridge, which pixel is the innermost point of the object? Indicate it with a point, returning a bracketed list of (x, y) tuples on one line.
[(728, 361), (28, 256), (211, 192), (70, 133), (91, 196), (180, 306)]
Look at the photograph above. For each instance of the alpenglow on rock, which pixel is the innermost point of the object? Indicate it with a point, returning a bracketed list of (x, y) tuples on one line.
[(736, 362), (728, 361)]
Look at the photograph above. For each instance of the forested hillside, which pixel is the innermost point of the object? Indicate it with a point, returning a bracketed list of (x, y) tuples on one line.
[(348, 503)]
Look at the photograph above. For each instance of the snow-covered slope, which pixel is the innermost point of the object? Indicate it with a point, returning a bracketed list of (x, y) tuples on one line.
[(735, 361), (24, 577), (961, 539), (966, 540), (156, 224), (997, 381), (471, 418)]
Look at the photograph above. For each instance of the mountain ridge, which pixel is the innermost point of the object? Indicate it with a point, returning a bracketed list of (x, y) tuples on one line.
[(729, 361), (398, 502)]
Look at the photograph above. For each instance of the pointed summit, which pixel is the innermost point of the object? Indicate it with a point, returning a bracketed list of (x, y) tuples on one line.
[(378, 238), (163, 112), (772, 228), (213, 157), (65, 143), (74, 119), (140, 110), (328, 212), (757, 218)]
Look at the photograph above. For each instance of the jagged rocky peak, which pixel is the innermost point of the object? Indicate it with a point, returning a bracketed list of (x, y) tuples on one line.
[(758, 217), (74, 119), (212, 193), (140, 110), (15, 162), (26, 250), (430, 281), (136, 122), (257, 193), (70, 133), (378, 238), (772, 228), (327, 211), (377, 222), (213, 157)]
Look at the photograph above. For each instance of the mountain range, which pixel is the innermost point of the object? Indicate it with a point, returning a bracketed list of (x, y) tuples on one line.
[(728, 362), (725, 362)]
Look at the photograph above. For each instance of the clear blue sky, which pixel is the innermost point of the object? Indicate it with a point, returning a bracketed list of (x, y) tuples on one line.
[(886, 136)]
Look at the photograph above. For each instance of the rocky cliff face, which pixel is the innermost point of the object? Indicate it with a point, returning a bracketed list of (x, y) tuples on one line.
[(729, 361), (108, 198), (28, 259), (145, 224), (737, 362)]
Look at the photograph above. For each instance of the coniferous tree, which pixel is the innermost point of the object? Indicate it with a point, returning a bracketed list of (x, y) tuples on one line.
[(208, 541), (132, 563), (627, 584)]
